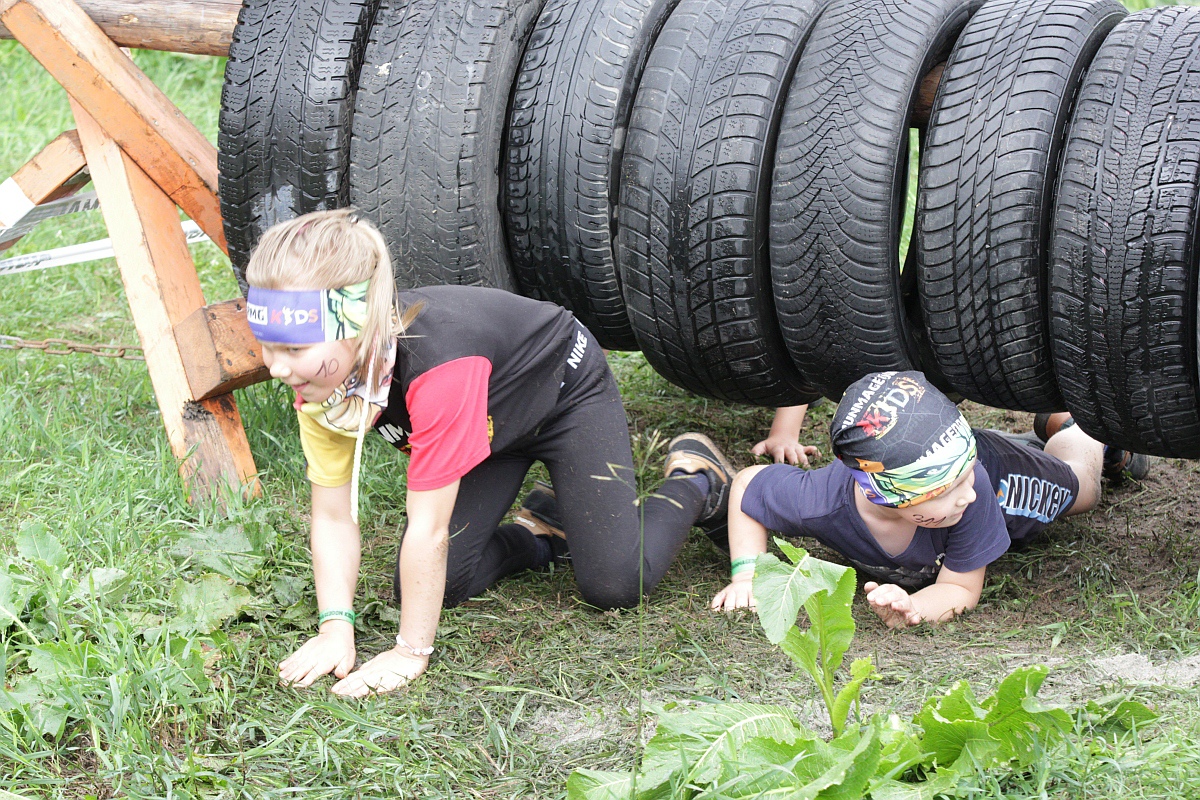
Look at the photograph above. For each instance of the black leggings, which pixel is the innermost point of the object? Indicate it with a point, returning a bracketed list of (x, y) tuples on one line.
[(585, 446)]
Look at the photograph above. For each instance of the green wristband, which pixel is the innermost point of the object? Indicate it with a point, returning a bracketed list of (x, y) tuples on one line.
[(743, 564), (337, 613)]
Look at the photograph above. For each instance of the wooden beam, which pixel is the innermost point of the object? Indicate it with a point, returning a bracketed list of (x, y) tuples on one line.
[(163, 289), (55, 172), (219, 353), (122, 100), (200, 27), (925, 95)]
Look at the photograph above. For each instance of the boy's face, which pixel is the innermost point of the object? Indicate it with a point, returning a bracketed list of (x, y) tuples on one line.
[(948, 507), (313, 370)]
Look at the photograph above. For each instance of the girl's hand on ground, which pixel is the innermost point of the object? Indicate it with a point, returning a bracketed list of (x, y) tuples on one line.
[(892, 604), (331, 650), (738, 594), (781, 449), (385, 672)]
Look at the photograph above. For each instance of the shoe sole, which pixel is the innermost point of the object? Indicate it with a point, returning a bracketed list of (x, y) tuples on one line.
[(729, 469)]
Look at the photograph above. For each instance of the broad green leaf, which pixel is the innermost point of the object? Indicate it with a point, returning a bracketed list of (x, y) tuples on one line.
[(780, 591), (43, 712), (957, 703), (829, 616), (35, 543), (589, 784), (861, 670), (924, 790), (946, 737), (55, 660), (1019, 720), (795, 554), (864, 760), (694, 743), (227, 552), (105, 584), (802, 649), (202, 605), (1117, 712), (15, 592), (901, 748)]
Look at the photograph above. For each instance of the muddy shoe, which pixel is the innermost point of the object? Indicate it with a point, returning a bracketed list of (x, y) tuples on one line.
[(696, 453), (1121, 464), (1046, 425), (539, 513)]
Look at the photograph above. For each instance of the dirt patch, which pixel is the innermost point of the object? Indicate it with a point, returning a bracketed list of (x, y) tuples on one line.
[(1136, 668)]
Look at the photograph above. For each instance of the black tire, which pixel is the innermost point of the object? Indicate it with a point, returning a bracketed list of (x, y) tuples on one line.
[(428, 128), (994, 142), (286, 110), (1125, 251), (694, 192), (566, 133), (838, 197)]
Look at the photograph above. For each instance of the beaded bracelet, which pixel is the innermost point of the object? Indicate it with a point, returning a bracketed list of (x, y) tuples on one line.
[(337, 613), (743, 564), (416, 651)]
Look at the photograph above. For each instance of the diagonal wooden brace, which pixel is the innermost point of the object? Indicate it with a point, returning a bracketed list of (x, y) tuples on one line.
[(163, 290), (123, 101)]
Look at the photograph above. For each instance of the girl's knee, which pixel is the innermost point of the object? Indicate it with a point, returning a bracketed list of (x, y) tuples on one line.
[(611, 594)]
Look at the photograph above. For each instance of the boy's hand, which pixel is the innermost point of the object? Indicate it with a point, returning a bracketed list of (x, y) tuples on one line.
[(892, 604), (385, 672), (738, 594), (783, 448), (331, 650)]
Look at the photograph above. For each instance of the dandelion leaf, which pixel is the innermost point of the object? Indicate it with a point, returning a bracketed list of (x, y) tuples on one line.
[(202, 605), (15, 592), (104, 584), (227, 551), (35, 543)]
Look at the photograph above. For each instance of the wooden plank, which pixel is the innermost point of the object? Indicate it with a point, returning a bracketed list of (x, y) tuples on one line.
[(163, 289), (219, 353), (55, 172), (105, 82), (925, 94), (200, 27)]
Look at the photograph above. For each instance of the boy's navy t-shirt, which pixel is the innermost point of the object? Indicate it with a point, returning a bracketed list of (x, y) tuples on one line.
[(1030, 488)]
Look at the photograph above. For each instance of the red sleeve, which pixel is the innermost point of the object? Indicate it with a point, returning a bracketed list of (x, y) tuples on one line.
[(448, 409)]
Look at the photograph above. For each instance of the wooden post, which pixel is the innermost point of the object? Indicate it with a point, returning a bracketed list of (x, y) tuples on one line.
[(163, 290), (134, 112)]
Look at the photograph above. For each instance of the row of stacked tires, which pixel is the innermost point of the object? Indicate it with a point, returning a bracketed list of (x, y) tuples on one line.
[(722, 183)]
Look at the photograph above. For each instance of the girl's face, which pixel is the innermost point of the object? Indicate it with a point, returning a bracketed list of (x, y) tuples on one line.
[(948, 507), (313, 370)]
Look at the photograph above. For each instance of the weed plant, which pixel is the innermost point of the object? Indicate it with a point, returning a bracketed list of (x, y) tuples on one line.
[(139, 635)]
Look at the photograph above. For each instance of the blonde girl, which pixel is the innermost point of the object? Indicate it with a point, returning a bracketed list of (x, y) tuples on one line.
[(474, 385)]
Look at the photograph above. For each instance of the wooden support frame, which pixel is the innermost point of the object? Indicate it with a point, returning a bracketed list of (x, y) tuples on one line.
[(145, 158)]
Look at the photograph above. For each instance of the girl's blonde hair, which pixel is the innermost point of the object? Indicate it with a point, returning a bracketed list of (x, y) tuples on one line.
[(327, 250)]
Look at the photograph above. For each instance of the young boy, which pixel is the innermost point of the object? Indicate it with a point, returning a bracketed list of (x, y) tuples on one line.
[(916, 500)]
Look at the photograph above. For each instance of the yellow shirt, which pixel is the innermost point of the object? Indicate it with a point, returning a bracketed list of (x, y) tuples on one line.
[(330, 454)]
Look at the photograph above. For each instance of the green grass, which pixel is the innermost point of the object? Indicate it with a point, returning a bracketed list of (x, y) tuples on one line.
[(528, 683)]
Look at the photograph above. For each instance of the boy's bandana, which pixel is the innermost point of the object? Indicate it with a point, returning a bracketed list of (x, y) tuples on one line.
[(903, 440), (307, 316)]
